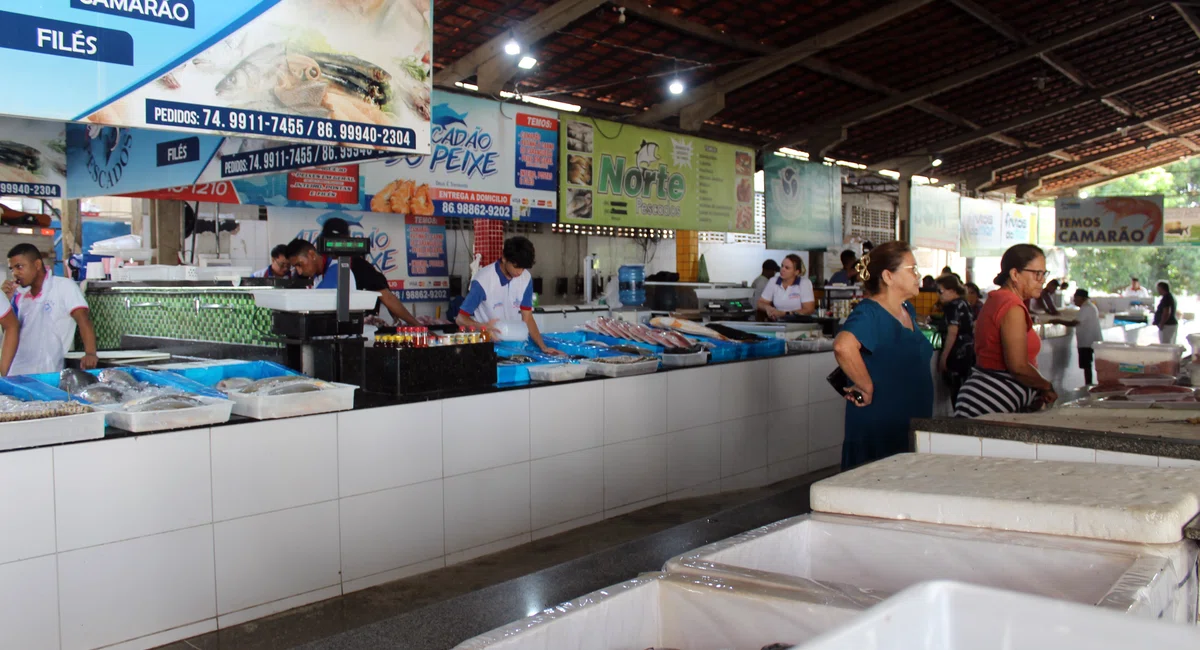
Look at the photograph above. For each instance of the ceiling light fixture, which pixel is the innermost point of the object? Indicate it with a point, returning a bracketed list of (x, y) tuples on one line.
[(936, 162), (512, 47), (527, 62), (676, 87)]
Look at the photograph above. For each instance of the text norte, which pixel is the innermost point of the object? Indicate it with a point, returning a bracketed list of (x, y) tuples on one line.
[(639, 181), (459, 151)]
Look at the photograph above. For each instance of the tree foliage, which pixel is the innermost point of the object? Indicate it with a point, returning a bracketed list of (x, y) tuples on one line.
[(1179, 183), (1109, 269)]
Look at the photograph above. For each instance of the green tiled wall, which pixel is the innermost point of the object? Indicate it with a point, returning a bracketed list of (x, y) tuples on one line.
[(173, 314)]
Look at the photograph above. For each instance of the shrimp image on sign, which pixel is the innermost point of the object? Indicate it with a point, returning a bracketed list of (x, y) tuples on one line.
[(359, 61), (1128, 208), (403, 197)]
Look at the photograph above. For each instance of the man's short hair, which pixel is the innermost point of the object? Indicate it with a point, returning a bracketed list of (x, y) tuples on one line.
[(1081, 293), (279, 251), (771, 265), (1133, 279), (847, 257), (28, 250), (519, 252), (299, 247), (335, 227)]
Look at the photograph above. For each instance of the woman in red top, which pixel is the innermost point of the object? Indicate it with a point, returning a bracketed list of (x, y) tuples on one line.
[(1006, 378)]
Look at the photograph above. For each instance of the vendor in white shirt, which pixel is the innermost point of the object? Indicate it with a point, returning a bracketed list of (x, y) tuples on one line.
[(503, 292), (789, 294), (1135, 290), (49, 309), (1087, 332)]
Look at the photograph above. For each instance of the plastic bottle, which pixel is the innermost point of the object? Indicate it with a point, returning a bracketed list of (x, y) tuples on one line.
[(631, 280)]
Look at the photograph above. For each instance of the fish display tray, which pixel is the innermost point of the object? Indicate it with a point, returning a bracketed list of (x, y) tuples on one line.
[(954, 616), (52, 431), (553, 372), (214, 411), (620, 369), (273, 407), (312, 300), (685, 360)]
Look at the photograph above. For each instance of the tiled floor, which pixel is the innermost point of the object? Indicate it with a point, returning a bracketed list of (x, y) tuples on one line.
[(436, 610)]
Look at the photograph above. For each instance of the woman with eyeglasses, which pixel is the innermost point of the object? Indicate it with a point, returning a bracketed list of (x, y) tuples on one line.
[(885, 355), (1006, 378)]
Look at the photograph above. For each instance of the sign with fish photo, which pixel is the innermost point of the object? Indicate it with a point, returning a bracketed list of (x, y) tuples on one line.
[(622, 175), (350, 72), (1109, 221), (803, 204), (33, 159)]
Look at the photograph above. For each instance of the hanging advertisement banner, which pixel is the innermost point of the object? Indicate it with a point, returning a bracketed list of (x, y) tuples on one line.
[(326, 185), (1181, 227), (391, 252), (1109, 221), (1045, 227), (622, 175), (426, 241), (1020, 224), (981, 228), (803, 204), (934, 218), (354, 73), (32, 158)]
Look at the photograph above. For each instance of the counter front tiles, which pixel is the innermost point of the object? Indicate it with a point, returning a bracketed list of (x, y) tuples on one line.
[(566, 487), (743, 445), (484, 431), (788, 434), (486, 506), (27, 504), (634, 407), (692, 397), (566, 418), (29, 603), (789, 379), (391, 529), (693, 457), (389, 447), (744, 389), (635, 471)]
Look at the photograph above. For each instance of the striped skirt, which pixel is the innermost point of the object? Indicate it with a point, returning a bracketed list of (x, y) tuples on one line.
[(991, 391)]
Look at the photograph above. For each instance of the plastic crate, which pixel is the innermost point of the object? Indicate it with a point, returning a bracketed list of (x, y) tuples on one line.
[(1115, 361), (165, 379)]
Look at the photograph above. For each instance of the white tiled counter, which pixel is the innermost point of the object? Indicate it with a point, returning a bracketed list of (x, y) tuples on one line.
[(141, 541)]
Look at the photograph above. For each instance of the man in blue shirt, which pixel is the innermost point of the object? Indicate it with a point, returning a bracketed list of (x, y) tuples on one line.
[(279, 266), (504, 292), (847, 275), (320, 269)]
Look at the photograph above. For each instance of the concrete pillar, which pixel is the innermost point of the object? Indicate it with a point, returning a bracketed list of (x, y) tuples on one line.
[(904, 209), (166, 231), (72, 229)]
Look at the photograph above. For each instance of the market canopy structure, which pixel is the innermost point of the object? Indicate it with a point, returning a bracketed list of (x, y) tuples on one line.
[(1040, 98)]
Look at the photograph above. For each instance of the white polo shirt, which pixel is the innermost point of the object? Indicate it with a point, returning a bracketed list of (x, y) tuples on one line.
[(493, 296), (47, 327), (791, 298)]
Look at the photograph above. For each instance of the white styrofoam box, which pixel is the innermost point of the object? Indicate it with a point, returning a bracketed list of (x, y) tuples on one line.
[(29, 603), (819, 367), (743, 445), (266, 466), (305, 300), (26, 504), (956, 445), (786, 469), (657, 610), (744, 389), (787, 434), (1117, 502), (277, 555), (131, 487), (337, 397), (826, 424), (635, 471), (993, 448), (469, 447), (1122, 458), (635, 407), (130, 589), (885, 557), (214, 411), (52, 431), (388, 447), (788, 379), (386, 530), (693, 457), (690, 402), (566, 487), (567, 418), (1066, 454), (824, 458), (484, 507), (952, 616)]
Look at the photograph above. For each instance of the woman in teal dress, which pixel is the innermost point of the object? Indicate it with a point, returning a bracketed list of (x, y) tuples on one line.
[(886, 357)]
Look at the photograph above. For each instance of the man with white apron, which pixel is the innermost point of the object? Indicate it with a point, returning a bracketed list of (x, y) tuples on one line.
[(49, 309), (503, 292)]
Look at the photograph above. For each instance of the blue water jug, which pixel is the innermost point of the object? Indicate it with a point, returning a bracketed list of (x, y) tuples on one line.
[(631, 280)]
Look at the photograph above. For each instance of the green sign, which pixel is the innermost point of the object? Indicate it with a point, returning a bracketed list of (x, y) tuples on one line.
[(622, 175), (804, 204)]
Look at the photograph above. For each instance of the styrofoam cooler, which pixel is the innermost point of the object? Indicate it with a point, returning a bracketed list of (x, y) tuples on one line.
[(953, 616), (657, 610), (886, 557), (1118, 360), (268, 407)]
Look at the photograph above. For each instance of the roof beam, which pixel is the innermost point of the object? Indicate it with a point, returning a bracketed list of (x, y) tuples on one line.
[(985, 16), (1067, 167), (1070, 189), (490, 56), (1189, 16), (693, 28), (1101, 169), (960, 78), (771, 63), (949, 144)]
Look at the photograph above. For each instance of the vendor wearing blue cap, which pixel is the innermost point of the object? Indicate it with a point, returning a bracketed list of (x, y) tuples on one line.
[(503, 292)]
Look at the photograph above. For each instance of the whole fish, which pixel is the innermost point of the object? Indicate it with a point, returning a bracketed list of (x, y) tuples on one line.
[(161, 403), (101, 394), (234, 383), (117, 376), (296, 387), (687, 327), (73, 380), (256, 74), (15, 154), (271, 382)]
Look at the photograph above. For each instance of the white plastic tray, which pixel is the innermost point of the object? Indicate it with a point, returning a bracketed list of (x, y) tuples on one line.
[(215, 411), (308, 300), (886, 557), (953, 616), (1147, 381), (557, 372), (660, 611), (621, 369), (685, 360), (270, 407), (51, 431), (1163, 397)]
